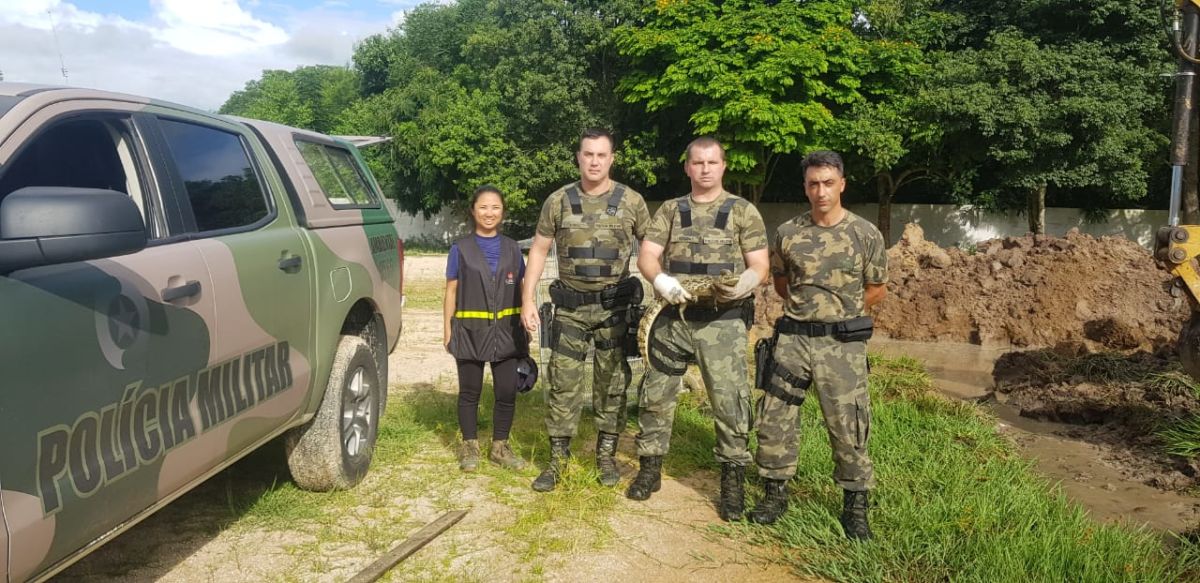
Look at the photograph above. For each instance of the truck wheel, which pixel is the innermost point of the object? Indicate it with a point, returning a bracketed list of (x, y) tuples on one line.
[(333, 450)]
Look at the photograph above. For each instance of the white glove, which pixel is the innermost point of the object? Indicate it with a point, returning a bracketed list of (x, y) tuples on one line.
[(743, 288), (669, 288)]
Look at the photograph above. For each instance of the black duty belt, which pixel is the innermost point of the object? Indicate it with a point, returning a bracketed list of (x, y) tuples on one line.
[(624, 292), (853, 327)]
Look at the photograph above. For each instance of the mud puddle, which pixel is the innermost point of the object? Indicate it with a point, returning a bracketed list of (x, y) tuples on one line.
[(1098, 476)]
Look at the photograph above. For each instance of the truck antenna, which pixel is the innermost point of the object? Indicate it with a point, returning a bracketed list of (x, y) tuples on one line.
[(57, 47)]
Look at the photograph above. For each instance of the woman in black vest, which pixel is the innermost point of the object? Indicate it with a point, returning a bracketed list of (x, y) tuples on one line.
[(482, 318)]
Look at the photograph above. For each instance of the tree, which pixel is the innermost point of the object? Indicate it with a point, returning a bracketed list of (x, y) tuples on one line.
[(1037, 116), (309, 97), (888, 136), (898, 148), (482, 91), (766, 78), (274, 97)]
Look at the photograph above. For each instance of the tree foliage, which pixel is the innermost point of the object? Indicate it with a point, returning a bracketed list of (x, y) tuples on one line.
[(310, 97), (484, 92), (1066, 96), (767, 78), (987, 100)]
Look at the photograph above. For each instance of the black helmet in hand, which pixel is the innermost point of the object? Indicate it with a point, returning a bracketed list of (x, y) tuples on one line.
[(527, 374)]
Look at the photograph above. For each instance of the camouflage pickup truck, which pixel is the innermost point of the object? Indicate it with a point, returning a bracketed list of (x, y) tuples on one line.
[(176, 289)]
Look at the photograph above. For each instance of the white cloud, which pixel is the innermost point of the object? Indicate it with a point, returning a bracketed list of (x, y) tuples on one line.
[(195, 53), (45, 14), (215, 27)]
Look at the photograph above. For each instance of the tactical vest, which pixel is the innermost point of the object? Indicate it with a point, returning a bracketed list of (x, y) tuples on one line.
[(487, 320), (703, 245), (592, 248)]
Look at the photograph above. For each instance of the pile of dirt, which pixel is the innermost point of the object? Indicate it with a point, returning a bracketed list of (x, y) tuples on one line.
[(1104, 293), (1117, 400), (1034, 291), (1101, 293)]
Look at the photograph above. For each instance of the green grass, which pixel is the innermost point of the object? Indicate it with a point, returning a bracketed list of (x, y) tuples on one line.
[(954, 503), (1101, 368), (544, 527), (1174, 382), (424, 294), (425, 246), (1182, 437)]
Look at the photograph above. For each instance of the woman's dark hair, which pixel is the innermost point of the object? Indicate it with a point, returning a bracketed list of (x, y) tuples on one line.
[(482, 190), (486, 188)]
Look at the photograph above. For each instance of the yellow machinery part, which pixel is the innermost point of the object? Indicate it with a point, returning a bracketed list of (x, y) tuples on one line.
[(1177, 248)]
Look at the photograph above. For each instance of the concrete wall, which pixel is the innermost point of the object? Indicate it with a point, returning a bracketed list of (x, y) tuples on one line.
[(946, 225), (949, 225), (441, 228)]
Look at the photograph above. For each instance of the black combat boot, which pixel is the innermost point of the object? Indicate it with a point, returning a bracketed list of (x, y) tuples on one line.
[(606, 448), (773, 504), (648, 479), (560, 452), (854, 516), (733, 494)]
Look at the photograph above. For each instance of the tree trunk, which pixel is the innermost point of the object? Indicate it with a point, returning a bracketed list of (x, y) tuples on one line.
[(1037, 210), (884, 219), (756, 192), (1191, 178)]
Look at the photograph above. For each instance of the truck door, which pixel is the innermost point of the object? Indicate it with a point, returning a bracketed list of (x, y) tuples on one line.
[(98, 356), (236, 211)]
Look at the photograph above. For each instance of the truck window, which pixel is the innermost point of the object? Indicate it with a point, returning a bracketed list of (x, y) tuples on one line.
[(337, 174), (222, 185), (89, 152)]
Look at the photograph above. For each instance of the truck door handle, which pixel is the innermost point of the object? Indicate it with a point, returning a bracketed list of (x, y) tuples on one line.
[(290, 263), (186, 290)]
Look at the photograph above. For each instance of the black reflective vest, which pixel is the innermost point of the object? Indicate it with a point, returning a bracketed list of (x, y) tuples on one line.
[(593, 247), (487, 320), (703, 245)]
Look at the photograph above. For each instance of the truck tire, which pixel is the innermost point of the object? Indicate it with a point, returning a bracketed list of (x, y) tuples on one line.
[(333, 450)]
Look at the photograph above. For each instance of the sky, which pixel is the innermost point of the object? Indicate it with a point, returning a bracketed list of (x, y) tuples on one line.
[(194, 52)]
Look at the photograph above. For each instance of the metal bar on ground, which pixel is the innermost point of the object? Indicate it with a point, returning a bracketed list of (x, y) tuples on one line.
[(408, 547)]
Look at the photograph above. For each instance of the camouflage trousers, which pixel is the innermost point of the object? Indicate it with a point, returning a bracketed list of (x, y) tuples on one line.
[(719, 349), (574, 331), (838, 371)]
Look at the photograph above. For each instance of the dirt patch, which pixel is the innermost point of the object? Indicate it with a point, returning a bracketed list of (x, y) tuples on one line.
[(1111, 400), (1103, 293)]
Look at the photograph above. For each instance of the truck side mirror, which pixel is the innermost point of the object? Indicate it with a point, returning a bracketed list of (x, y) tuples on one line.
[(44, 225)]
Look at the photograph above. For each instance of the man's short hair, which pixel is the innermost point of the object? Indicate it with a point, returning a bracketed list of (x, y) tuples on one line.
[(705, 142), (819, 158), (593, 133)]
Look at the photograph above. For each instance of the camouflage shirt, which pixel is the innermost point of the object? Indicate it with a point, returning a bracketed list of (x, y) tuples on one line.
[(828, 267), (702, 242), (568, 230)]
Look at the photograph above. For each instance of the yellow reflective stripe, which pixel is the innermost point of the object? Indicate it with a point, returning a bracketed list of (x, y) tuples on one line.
[(487, 315), (470, 314)]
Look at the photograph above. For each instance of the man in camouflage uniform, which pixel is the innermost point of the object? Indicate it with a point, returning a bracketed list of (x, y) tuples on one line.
[(594, 223), (706, 233), (829, 265)]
